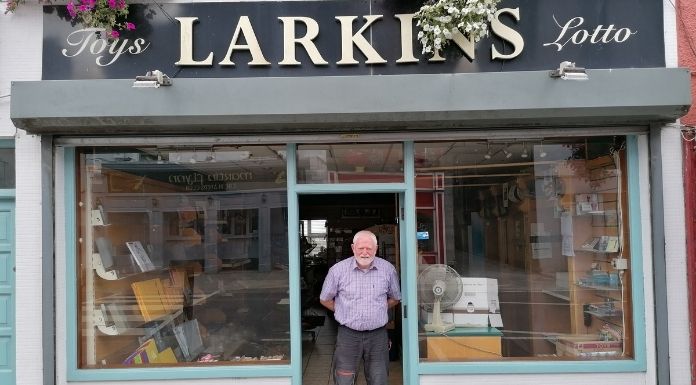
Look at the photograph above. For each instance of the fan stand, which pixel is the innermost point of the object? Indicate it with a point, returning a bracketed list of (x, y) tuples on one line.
[(437, 325)]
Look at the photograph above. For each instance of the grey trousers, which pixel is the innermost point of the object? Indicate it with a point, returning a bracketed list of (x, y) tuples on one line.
[(352, 346)]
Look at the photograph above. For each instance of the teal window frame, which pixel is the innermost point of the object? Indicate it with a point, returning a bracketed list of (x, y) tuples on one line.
[(414, 367), (637, 364)]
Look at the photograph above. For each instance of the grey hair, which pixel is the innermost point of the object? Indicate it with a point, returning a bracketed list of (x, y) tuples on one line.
[(369, 233)]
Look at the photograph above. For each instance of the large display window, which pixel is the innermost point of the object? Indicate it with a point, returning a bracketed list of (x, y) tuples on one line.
[(183, 256), (531, 253)]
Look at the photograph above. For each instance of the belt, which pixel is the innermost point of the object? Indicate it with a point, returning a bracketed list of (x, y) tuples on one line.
[(363, 331)]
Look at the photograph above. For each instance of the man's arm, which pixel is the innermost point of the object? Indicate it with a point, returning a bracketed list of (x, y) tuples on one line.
[(329, 304), (391, 302)]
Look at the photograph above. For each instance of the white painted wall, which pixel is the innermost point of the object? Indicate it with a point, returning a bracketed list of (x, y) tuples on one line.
[(20, 59), (675, 227)]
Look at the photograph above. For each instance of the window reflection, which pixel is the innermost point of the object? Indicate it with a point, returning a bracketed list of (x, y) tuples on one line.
[(350, 163), (184, 259), (533, 230)]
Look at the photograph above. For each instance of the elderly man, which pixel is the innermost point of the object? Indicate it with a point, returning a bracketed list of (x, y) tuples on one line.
[(360, 290)]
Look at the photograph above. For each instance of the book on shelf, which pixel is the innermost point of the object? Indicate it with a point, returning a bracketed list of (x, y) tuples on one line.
[(145, 353), (116, 316), (105, 250), (188, 335), (149, 295), (98, 216), (166, 356), (586, 204), (612, 244), (590, 243), (140, 256)]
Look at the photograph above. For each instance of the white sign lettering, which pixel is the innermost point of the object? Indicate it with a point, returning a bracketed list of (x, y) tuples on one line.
[(571, 32), (106, 53)]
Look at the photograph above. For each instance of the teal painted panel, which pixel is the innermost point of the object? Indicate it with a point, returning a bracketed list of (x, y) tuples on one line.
[(7, 293), (5, 346), (6, 311), (5, 268), (5, 235)]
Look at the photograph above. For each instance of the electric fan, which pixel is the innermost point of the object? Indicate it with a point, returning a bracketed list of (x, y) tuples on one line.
[(439, 287)]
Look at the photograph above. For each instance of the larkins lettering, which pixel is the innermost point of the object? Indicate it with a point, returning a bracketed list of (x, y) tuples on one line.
[(350, 40)]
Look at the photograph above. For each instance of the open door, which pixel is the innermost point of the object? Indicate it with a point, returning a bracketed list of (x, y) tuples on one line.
[(327, 225)]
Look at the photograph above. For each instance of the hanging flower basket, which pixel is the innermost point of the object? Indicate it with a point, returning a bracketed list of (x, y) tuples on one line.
[(109, 15), (440, 19), (105, 15)]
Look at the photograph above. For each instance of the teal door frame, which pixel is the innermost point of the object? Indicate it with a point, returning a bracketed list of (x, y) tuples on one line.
[(8, 362), (407, 225)]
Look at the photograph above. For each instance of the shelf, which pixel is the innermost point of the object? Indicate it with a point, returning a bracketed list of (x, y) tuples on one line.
[(616, 313), (596, 287), (560, 294), (595, 251)]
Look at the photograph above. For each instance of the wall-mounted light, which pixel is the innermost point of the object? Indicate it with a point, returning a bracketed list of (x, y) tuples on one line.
[(152, 79), (568, 71)]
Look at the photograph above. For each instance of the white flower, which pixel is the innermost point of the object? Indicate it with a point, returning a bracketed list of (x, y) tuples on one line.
[(447, 33), (436, 30), (420, 34), (438, 41), (427, 49)]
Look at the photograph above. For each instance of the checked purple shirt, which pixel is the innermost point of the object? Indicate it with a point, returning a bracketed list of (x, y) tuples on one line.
[(361, 296)]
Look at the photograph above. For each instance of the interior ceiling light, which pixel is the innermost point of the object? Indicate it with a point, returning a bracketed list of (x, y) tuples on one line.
[(507, 153), (542, 153), (524, 150), (488, 154), (568, 71)]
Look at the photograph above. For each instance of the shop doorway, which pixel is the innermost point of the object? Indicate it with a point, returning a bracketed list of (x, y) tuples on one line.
[(327, 225)]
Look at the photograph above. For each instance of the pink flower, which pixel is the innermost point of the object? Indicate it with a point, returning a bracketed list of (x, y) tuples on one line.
[(83, 8), (114, 34), (71, 9), (121, 4), (130, 26), (112, 3)]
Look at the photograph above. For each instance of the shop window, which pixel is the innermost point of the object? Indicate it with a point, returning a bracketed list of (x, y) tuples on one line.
[(183, 259), (7, 168), (350, 163), (532, 260)]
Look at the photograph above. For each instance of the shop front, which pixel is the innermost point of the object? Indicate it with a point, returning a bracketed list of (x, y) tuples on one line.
[(195, 219)]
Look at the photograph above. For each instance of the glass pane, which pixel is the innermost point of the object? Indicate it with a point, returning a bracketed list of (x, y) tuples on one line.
[(350, 163), (184, 259), (7, 168), (524, 249)]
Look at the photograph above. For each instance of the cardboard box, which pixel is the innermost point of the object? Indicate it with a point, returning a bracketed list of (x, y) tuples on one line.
[(471, 319)]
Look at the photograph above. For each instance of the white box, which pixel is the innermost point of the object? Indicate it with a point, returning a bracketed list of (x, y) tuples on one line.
[(479, 299), (471, 320), (478, 294)]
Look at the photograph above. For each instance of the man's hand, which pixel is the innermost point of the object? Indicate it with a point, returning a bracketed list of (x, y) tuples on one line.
[(391, 302), (329, 304)]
